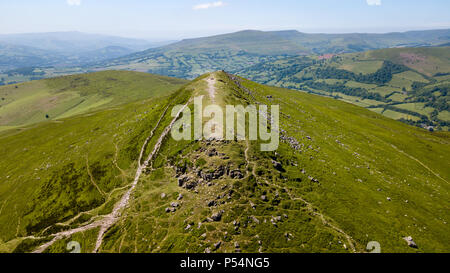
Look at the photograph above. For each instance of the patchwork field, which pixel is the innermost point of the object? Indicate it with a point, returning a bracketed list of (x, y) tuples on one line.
[(394, 79)]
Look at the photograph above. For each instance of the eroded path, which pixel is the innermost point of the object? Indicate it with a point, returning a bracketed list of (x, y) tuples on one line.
[(212, 88)]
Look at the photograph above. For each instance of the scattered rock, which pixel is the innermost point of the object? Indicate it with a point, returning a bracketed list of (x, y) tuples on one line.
[(313, 179), (217, 216), (170, 210), (180, 196), (254, 219), (163, 195), (182, 180), (175, 204), (212, 152), (275, 220), (277, 165), (217, 245), (410, 242), (190, 185), (212, 203), (288, 236), (264, 198), (236, 174)]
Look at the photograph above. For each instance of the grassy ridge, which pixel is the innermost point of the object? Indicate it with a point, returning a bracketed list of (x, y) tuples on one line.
[(343, 176)]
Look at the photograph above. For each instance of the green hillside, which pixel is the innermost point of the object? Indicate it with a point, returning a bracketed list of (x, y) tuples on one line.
[(408, 84), (343, 176), (56, 98)]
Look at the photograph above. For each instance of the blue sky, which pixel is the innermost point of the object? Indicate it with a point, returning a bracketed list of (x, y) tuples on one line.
[(176, 19)]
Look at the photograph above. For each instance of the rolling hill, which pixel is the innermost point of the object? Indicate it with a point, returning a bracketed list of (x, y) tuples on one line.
[(191, 58), (408, 84), (56, 98), (62, 49), (233, 52), (73, 41), (115, 181)]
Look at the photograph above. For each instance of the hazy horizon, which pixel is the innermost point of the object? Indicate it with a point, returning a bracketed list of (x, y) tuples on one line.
[(176, 20), (151, 39)]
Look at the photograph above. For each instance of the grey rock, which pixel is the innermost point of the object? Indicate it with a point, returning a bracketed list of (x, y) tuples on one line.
[(217, 245), (410, 242), (236, 174), (217, 216), (277, 165)]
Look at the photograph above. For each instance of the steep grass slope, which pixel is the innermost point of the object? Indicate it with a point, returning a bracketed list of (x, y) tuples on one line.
[(342, 176), (56, 98)]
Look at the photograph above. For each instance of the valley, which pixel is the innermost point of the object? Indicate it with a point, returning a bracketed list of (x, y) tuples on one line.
[(407, 84)]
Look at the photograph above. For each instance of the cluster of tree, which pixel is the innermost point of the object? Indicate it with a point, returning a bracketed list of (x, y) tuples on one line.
[(404, 111), (284, 71), (441, 74), (427, 95), (426, 122), (350, 91), (382, 76), (26, 71)]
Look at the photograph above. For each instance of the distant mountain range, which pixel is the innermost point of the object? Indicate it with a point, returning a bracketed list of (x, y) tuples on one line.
[(64, 49)]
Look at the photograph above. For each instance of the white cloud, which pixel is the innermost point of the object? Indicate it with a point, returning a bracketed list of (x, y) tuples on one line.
[(74, 2), (374, 2), (209, 5)]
